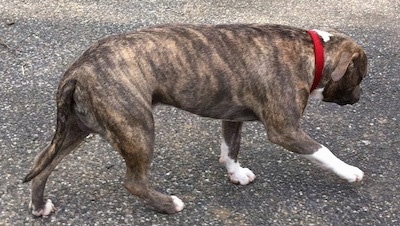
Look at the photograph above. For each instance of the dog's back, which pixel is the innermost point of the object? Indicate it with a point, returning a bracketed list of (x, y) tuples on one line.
[(229, 67)]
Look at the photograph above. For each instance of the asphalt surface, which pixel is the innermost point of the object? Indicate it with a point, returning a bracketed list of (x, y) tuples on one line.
[(38, 39)]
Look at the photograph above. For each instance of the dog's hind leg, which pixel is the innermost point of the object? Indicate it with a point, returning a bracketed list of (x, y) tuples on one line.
[(70, 132), (230, 146), (134, 139), (62, 146)]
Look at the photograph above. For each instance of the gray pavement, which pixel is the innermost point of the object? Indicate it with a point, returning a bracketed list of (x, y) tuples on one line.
[(38, 39)]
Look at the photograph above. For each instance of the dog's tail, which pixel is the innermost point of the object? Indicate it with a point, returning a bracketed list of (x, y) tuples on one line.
[(64, 111)]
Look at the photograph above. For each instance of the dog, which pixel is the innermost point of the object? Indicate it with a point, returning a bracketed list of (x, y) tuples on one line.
[(235, 73)]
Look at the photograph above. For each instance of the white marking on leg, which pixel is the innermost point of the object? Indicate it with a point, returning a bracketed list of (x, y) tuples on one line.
[(316, 94), (47, 209), (237, 174), (324, 35), (179, 205), (224, 152), (326, 159)]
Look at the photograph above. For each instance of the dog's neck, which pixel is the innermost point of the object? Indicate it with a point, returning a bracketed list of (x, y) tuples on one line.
[(316, 36)]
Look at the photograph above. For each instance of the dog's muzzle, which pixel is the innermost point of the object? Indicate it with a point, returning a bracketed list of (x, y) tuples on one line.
[(345, 97), (353, 98)]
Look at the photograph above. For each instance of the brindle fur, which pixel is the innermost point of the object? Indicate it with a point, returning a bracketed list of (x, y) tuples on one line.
[(234, 73)]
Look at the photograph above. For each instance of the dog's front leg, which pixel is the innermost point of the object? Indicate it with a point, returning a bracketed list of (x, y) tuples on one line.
[(326, 159), (299, 142), (230, 146)]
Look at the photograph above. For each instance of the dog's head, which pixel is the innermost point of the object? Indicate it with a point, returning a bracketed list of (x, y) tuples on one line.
[(345, 67)]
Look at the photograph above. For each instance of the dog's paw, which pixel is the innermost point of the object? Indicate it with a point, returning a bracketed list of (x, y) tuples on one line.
[(327, 160), (241, 175), (349, 173), (47, 209), (179, 205)]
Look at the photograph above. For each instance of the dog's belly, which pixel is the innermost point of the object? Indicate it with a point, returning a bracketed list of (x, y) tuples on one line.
[(229, 114), (224, 111)]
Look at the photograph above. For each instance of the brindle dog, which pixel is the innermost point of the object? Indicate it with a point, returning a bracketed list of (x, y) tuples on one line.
[(234, 73)]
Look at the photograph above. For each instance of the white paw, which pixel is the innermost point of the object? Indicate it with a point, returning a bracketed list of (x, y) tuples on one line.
[(326, 159), (48, 208), (241, 175), (237, 174), (179, 205), (349, 173)]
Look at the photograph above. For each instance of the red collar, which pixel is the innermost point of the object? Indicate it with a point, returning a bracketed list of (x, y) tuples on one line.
[(319, 57)]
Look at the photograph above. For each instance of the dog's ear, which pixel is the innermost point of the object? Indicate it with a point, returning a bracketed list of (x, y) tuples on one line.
[(344, 62)]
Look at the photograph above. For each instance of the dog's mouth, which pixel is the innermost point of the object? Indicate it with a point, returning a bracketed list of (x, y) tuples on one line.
[(347, 103)]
